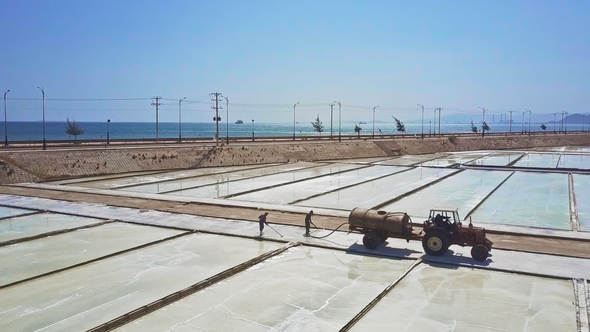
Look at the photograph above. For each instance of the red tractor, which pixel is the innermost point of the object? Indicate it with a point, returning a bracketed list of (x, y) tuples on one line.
[(442, 229)]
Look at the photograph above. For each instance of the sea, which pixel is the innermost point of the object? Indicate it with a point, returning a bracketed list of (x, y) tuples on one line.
[(33, 131)]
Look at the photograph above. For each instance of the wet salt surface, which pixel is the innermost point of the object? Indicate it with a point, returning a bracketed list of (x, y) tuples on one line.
[(574, 161), (93, 294), (31, 258), (582, 193), (408, 160), (10, 212), (462, 299), (462, 191), (239, 173), (373, 193), (301, 190), (234, 187), (529, 199), (538, 160), (25, 226), (452, 160), (138, 179), (497, 159), (303, 289)]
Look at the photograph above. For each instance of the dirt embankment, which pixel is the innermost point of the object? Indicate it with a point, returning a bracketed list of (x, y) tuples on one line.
[(26, 166)]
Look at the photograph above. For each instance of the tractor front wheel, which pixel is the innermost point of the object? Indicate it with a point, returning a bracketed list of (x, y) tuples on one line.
[(479, 252), (372, 240), (435, 242)]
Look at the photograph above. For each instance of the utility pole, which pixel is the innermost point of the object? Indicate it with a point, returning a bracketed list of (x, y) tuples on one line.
[(180, 119), (157, 104), (522, 124), (510, 122), (429, 127), (422, 106), (331, 118), (530, 114), (483, 120), (294, 106), (434, 121), (339, 120), (439, 110), (44, 140), (226, 120), (5, 125), (216, 96), (375, 107), (566, 123), (252, 130), (561, 124), (554, 122)]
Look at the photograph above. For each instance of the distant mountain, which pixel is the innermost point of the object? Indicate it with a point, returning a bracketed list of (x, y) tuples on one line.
[(574, 118)]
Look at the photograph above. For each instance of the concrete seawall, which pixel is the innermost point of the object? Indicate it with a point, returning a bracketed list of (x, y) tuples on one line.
[(26, 166)]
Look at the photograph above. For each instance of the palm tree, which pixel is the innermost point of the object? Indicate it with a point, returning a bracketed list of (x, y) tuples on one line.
[(473, 128), (357, 130), (72, 129), (399, 125), (317, 125)]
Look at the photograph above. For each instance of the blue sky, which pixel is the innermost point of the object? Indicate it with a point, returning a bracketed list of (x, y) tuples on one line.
[(459, 55)]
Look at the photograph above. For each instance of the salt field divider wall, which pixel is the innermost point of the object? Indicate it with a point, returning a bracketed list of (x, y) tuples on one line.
[(573, 210), (97, 259), (415, 190), (151, 307), (355, 184), (371, 304), (262, 175), (487, 196), (202, 175)]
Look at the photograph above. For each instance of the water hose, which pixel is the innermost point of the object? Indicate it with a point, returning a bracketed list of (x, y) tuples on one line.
[(332, 232)]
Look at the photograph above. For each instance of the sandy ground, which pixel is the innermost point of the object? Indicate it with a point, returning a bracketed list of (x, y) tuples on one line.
[(548, 245)]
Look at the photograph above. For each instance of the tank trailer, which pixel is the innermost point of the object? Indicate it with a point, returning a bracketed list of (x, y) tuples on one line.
[(442, 229)]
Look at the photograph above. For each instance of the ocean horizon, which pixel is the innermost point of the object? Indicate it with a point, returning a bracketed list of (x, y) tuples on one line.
[(55, 130)]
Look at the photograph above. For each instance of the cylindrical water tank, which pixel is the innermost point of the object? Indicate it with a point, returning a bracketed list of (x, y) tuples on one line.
[(396, 223)]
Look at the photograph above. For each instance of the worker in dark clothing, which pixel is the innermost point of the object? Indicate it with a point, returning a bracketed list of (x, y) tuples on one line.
[(308, 222), (262, 221)]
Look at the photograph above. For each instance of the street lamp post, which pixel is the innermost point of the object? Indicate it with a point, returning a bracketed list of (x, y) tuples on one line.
[(44, 140), (483, 120), (108, 131), (530, 114), (252, 130), (226, 119), (294, 106), (374, 108), (331, 118), (339, 120), (5, 123), (434, 122), (180, 119), (422, 106)]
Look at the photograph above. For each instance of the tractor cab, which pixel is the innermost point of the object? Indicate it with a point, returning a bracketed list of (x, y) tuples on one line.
[(447, 219)]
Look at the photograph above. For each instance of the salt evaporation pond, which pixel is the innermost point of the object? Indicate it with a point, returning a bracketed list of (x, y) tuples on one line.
[(93, 294), (303, 289), (461, 299), (529, 199), (304, 189), (25, 226)]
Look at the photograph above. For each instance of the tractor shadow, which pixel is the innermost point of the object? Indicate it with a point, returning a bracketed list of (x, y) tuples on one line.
[(452, 260), (382, 250)]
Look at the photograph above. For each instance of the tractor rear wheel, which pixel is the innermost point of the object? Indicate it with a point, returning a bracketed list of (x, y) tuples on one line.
[(479, 252), (436, 241), (372, 240)]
